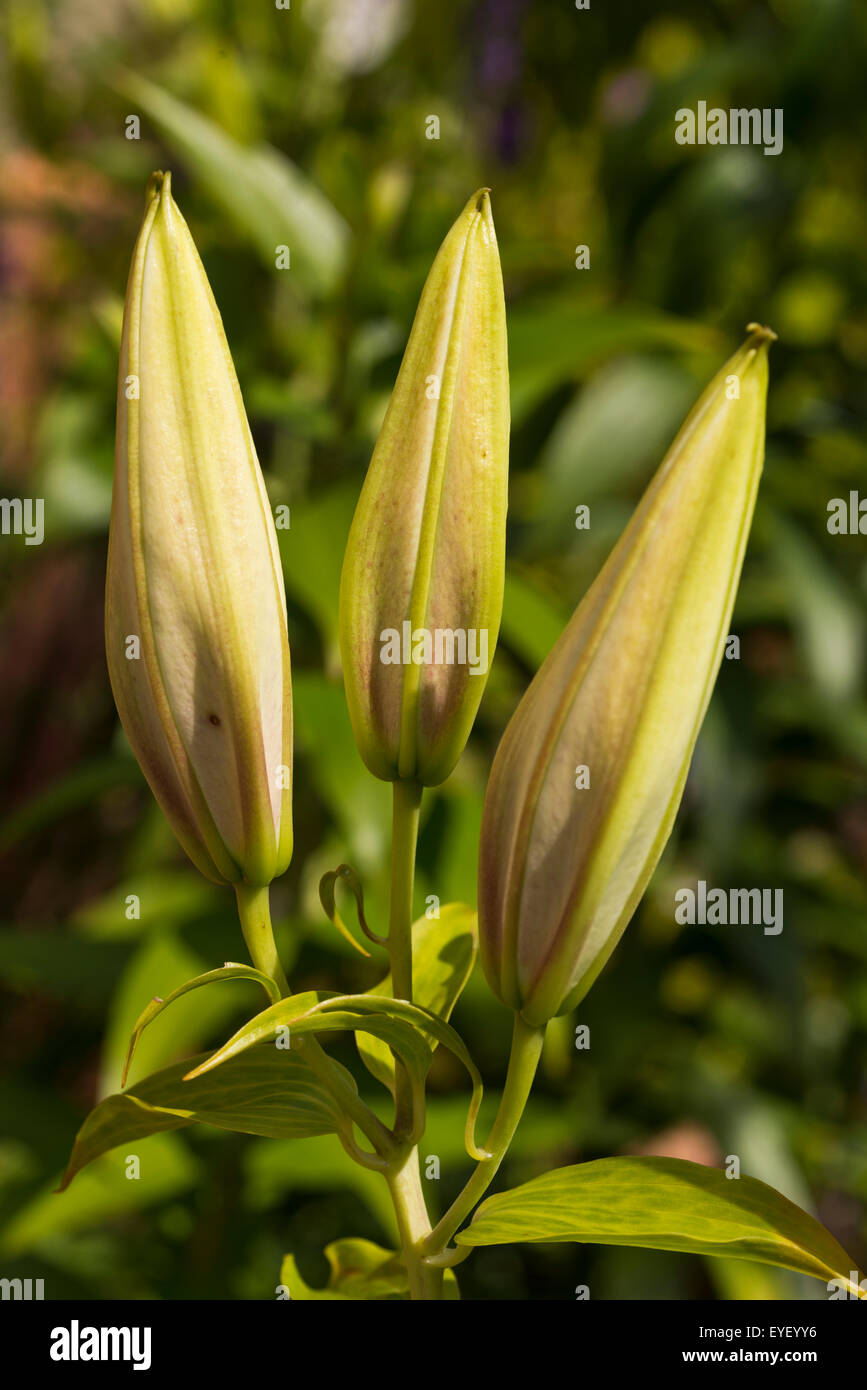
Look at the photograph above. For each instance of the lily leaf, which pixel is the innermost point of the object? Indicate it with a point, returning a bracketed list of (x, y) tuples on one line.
[(265, 194), (230, 971), (265, 1091), (444, 952), (410, 1031), (359, 1270), (664, 1204)]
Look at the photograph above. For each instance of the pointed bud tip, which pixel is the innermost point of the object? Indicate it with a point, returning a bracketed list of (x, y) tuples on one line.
[(762, 332), (478, 209), (482, 200), (159, 184), (480, 205)]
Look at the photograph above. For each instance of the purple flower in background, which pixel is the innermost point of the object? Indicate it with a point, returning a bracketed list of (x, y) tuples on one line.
[(498, 70)]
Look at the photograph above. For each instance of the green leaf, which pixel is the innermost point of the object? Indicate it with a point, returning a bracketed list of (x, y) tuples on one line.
[(359, 803), (828, 619), (266, 1091), (165, 897), (663, 1204), (532, 621), (168, 1169), (359, 1270), (606, 440), (410, 1031), (311, 551), (161, 963), (327, 888), (444, 952), (557, 340), (262, 191), (283, 1168), (230, 971)]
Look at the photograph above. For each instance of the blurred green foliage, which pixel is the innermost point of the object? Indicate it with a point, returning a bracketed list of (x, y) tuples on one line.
[(307, 127)]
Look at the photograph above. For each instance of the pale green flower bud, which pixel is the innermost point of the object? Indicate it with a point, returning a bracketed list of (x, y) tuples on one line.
[(196, 633), (421, 591), (590, 771)]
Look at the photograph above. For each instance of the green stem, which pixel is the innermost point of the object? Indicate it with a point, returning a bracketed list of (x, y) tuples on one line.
[(523, 1061), (413, 1222), (404, 1176), (404, 837), (254, 910)]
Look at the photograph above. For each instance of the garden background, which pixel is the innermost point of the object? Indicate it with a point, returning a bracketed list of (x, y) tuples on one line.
[(308, 127)]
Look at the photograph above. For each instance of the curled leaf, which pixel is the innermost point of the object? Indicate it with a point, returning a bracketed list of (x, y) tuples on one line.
[(230, 971), (327, 885), (408, 1030)]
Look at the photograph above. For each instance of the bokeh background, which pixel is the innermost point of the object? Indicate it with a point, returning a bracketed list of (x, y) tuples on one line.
[(307, 127)]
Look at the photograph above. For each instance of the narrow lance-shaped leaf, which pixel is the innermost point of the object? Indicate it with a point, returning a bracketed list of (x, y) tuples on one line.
[(407, 1029), (230, 971), (262, 191), (268, 1091), (664, 1204)]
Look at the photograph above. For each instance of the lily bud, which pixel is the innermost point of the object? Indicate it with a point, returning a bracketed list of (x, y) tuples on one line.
[(421, 592), (196, 634), (590, 771)]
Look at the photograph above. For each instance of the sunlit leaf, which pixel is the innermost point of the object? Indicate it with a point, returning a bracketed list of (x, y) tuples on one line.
[(229, 971), (265, 1090), (161, 964), (663, 1204), (410, 1031)]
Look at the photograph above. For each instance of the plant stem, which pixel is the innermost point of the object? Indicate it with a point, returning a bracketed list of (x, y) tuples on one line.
[(404, 1184), (404, 1176), (254, 910), (404, 836), (523, 1061)]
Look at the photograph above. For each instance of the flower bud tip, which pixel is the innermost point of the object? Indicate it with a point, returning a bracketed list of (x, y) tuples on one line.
[(762, 332)]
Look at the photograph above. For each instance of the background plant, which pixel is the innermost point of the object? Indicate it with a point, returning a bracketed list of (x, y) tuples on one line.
[(730, 1048)]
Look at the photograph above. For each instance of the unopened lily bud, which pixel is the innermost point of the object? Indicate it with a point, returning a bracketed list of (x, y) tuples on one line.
[(421, 591), (590, 771), (196, 633)]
